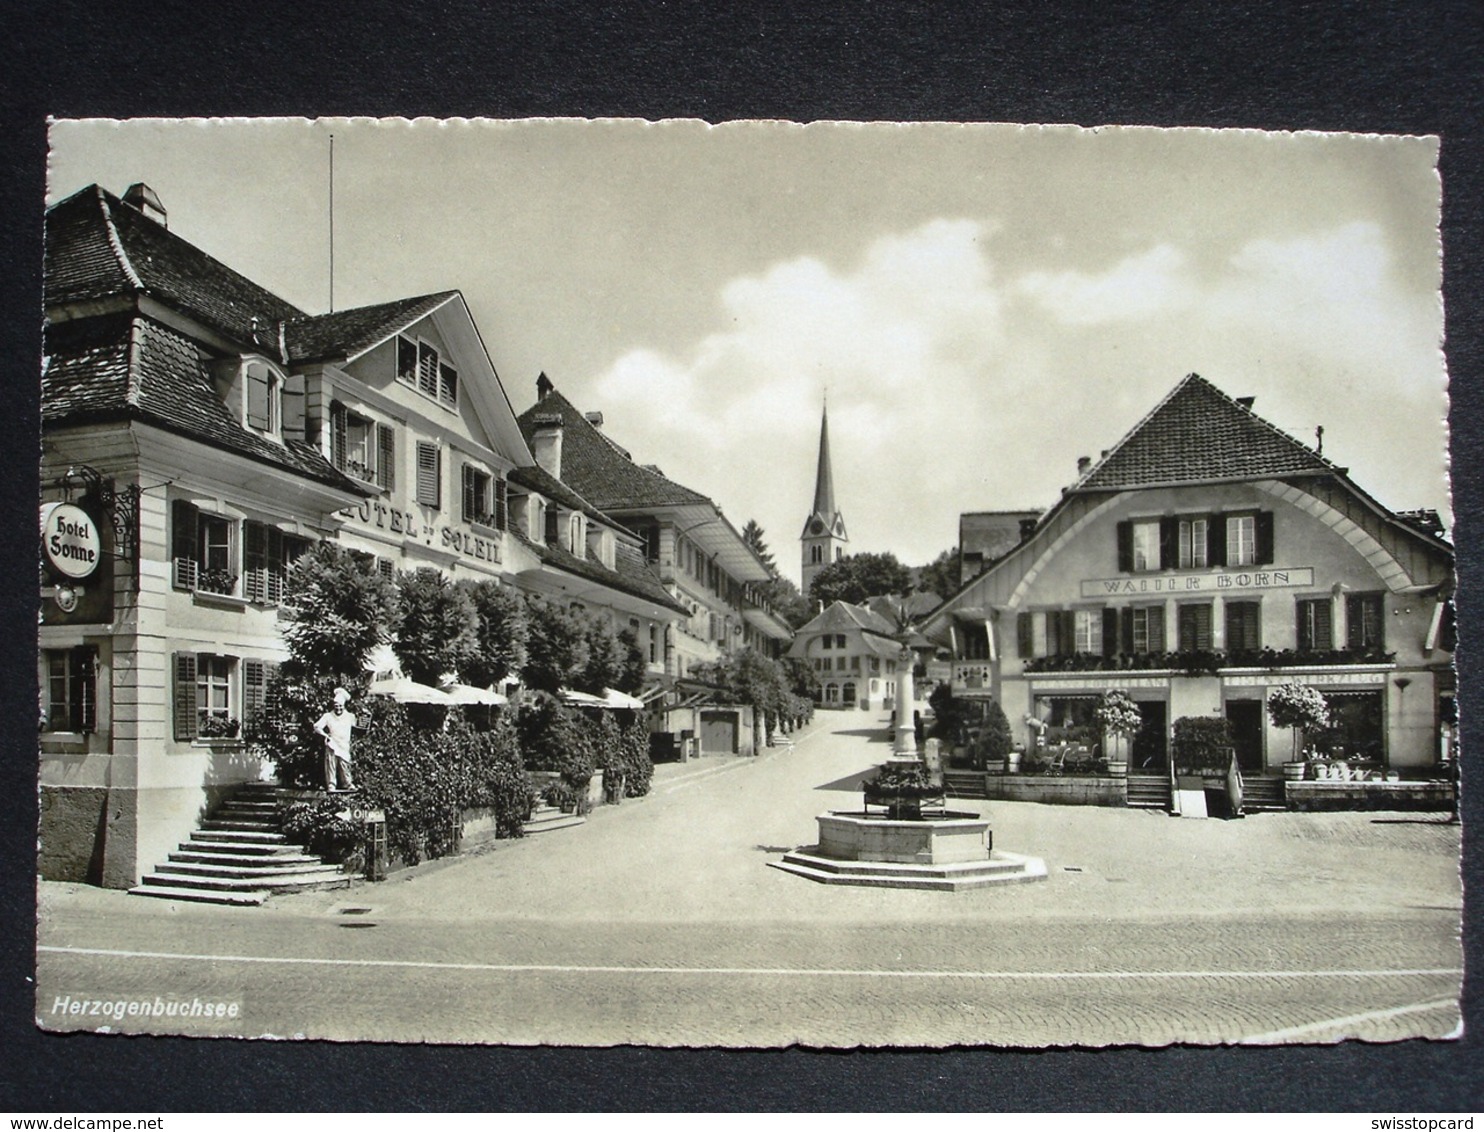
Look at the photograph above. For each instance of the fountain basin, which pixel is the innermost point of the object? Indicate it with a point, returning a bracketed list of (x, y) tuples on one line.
[(949, 838)]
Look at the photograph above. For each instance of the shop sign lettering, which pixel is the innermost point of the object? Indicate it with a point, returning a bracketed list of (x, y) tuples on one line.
[(375, 513), (1267, 578), (71, 540), (471, 545)]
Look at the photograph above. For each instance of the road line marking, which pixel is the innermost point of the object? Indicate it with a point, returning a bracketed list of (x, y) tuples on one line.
[(1296, 1032), (799, 972)]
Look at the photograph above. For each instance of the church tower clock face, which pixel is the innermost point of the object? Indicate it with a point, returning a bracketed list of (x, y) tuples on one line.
[(816, 527)]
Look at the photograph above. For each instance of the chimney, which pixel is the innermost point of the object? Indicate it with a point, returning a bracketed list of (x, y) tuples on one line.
[(543, 386), (1246, 402), (546, 442), (594, 418), (141, 197), (1083, 463), (1027, 528)]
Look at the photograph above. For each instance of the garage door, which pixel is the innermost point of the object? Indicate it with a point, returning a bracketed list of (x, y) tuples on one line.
[(718, 733)]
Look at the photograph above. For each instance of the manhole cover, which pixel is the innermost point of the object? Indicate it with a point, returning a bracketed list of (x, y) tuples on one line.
[(1071, 868)]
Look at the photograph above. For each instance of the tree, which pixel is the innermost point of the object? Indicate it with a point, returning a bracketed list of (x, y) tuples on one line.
[(335, 610), (556, 649), (635, 664), (856, 577), (749, 677), (941, 575), (785, 600), (752, 535), (501, 630), (436, 626), (606, 657), (802, 679)]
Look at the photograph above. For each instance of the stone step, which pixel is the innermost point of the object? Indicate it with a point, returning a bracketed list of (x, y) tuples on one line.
[(260, 836), (995, 864), (545, 819), (257, 848), (168, 878), (199, 895), (234, 807), (241, 825), (888, 875), (244, 860), (264, 872)]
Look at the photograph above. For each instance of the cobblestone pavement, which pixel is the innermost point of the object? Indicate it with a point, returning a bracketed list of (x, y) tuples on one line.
[(658, 922)]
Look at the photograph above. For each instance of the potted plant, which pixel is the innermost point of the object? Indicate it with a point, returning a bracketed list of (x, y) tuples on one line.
[(1119, 718), (1013, 758), (1300, 709)]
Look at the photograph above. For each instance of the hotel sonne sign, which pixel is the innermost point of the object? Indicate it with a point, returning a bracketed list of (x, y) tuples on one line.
[(1228, 581)]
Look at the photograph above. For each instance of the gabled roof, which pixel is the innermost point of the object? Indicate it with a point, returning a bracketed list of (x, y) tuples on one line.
[(123, 367), (350, 333), (842, 616), (98, 247), (598, 469), (1195, 435)]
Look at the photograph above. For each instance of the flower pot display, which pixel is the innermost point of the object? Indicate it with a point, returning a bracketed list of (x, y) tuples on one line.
[(1117, 767), (1294, 771), (1012, 762)]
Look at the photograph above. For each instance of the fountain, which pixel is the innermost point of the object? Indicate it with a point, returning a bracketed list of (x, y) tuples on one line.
[(911, 840)]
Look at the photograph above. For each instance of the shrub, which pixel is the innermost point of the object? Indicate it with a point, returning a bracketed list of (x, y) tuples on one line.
[(556, 646), (502, 630), (435, 626), (284, 729), (320, 828), (995, 740), (1202, 744), (496, 777), (335, 611), (624, 749), (555, 737), (417, 776), (1117, 713)]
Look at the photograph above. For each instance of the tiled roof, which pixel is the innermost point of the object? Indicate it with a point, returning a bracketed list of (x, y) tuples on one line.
[(1195, 435), (89, 376), (843, 616), (539, 479), (344, 334), (97, 246), (631, 576), (597, 468)]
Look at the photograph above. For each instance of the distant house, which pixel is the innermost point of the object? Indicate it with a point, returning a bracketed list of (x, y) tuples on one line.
[(984, 537), (683, 537), (1203, 561), (854, 651)]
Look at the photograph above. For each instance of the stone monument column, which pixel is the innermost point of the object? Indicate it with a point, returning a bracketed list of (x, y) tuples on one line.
[(904, 742)]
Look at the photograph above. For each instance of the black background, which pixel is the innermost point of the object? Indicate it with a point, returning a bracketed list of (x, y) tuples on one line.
[(1372, 67)]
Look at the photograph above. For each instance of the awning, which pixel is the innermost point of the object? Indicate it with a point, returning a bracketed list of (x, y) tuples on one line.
[(407, 691), (468, 694), (622, 700)]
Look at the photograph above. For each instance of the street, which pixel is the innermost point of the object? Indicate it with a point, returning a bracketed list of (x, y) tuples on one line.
[(658, 922)]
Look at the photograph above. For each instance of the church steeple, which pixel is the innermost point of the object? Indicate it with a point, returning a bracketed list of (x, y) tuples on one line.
[(824, 537)]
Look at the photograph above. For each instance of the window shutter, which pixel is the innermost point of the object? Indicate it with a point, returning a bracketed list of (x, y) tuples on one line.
[(1264, 538), (1216, 540), (1110, 631), (386, 457), (1169, 543), (257, 397), (428, 477), (1024, 636), (501, 504), (254, 545), (427, 369), (254, 689), (1126, 636), (552, 525), (293, 407), (185, 696), (1156, 629), (1125, 547), (185, 529), (337, 434), (468, 484), (448, 385)]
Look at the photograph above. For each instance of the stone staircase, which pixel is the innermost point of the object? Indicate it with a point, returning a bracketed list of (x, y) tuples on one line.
[(1149, 791), (546, 818), (1263, 793), (239, 856)]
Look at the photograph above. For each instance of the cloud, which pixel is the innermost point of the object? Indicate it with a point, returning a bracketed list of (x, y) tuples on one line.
[(1151, 282)]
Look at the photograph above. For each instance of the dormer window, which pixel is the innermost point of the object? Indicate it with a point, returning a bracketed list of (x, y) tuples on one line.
[(264, 396), (420, 366)]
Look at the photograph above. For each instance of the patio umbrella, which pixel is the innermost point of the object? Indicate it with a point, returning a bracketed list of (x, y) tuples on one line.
[(582, 699), (406, 691), (469, 694), (613, 698)]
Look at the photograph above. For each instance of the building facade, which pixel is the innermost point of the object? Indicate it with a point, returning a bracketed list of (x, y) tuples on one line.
[(1203, 561), (855, 654), (199, 433)]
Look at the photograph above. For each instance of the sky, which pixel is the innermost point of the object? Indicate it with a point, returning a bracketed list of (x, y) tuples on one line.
[(979, 305)]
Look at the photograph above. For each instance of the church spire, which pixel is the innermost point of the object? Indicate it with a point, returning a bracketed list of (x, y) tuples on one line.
[(824, 480), (824, 538)]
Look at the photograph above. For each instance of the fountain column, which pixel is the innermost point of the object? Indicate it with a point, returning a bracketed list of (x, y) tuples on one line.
[(904, 742)]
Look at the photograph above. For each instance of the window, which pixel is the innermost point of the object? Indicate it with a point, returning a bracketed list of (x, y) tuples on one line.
[(1192, 544), (1243, 626), (202, 553), (1194, 622), (1146, 632), (71, 689), (429, 474), (387, 569), (1087, 630), (575, 541), (1315, 624), (448, 385), (839, 640), (1364, 626), (1241, 540), (213, 690), (1139, 546), (839, 553), (816, 555), (406, 361), (478, 496), (552, 524), (654, 644), (203, 696), (419, 366), (267, 554), (362, 448)]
